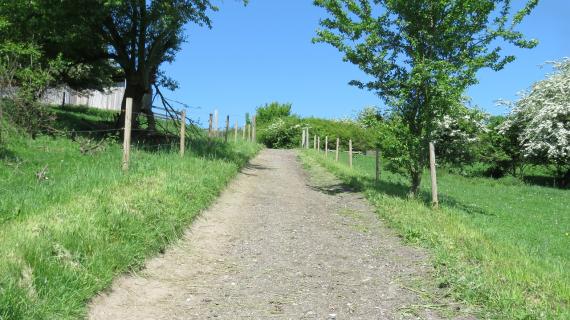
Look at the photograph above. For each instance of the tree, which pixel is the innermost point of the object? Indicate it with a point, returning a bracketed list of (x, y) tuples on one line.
[(421, 55), (543, 114), (62, 30), (25, 73), (270, 111), (99, 36), (499, 148), (144, 34), (369, 117)]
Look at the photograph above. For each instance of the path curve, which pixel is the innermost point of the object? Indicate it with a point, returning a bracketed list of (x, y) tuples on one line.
[(276, 245)]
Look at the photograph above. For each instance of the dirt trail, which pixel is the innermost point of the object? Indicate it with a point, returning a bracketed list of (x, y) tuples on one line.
[(276, 245)]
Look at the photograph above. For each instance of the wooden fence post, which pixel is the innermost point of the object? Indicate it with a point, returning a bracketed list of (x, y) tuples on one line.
[(127, 134), (210, 126), (254, 129), (182, 132), (216, 123), (319, 144), (235, 131), (307, 139), (336, 151), (227, 129), (248, 129), (434, 199), (326, 146), (303, 138), (243, 132), (350, 153), (315, 142)]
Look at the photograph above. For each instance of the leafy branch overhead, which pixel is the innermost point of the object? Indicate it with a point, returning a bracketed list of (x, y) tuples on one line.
[(399, 42)]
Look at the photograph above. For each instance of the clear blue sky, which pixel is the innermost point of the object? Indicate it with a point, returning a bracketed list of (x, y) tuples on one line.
[(263, 53)]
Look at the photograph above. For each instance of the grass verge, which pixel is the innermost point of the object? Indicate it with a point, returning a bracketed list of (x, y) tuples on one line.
[(70, 221), (499, 245)]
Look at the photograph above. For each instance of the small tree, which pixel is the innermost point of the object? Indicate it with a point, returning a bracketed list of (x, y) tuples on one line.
[(499, 148), (422, 55), (543, 113), (23, 79), (369, 117), (270, 111)]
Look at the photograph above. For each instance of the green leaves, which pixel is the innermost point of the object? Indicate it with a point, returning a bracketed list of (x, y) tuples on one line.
[(422, 55)]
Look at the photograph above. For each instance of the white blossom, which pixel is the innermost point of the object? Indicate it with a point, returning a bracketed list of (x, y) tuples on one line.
[(544, 114)]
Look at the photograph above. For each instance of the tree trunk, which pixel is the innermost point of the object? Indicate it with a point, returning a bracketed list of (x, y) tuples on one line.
[(415, 179), (142, 103), (147, 109)]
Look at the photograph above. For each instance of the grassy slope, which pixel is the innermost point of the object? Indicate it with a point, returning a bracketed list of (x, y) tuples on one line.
[(498, 244), (64, 239)]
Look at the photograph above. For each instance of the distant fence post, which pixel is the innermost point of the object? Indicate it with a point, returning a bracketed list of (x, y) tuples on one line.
[(182, 132), (227, 129), (307, 139), (326, 146), (378, 155), (303, 138), (350, 153), (235, 131), (248, 129), (216, 123), (336, 151), (319, 144), (315, 142), (127, 134), (434, 199), (210, 126), (254, 129), (243, 132)]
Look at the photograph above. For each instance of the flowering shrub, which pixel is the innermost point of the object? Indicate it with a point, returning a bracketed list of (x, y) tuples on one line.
[(281, 133), (543, 113), (457, 134)]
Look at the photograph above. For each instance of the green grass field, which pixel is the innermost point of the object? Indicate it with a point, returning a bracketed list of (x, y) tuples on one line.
[(500, 245), (64, 237)]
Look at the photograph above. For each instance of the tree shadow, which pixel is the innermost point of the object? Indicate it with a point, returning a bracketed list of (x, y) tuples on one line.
[(546, 181), (7, 155), (99, 125), (334, 189), (399, 190)]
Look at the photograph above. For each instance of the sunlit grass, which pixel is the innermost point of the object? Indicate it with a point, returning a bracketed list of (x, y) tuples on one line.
[(64, 237), (499, 244)]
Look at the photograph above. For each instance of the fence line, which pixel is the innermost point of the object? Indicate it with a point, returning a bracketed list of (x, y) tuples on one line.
[(378, 159)]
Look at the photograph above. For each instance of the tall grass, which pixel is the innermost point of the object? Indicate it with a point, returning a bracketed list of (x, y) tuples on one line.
[(498, 244), (66, 235)]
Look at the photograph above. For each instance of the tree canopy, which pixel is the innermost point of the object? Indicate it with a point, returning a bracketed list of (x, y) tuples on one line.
[(422, 55)]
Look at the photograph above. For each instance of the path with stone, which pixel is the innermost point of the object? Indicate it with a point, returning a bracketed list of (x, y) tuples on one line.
[(277, 244)]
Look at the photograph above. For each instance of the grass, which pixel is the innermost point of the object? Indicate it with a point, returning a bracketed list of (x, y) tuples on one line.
[(65, 236), (500, 245)]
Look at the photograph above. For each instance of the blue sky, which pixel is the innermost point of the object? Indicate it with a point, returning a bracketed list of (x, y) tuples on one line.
[(263, 53)]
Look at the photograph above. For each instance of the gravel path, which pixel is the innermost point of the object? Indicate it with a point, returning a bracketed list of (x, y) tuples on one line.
[(276, 245)]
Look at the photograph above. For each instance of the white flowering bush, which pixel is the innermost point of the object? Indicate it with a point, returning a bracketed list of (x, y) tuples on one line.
[(543, 112), (281, 133), (457, 134)]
